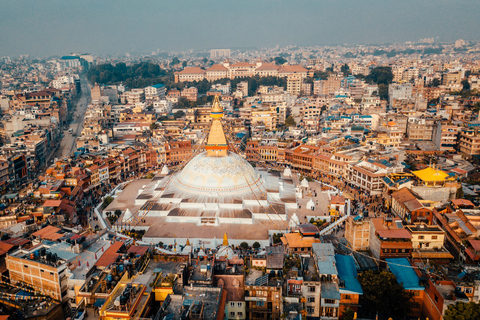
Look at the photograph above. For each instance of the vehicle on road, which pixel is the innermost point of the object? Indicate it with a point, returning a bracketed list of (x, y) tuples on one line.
[(70, 130)]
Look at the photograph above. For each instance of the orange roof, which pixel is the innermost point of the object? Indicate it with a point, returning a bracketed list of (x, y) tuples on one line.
[(296, 240), (191, 70), (395, 234), (49, 233), (110, 255), (217, 67), (267, 66), (295, 68), (242, 64), (52, 203), (462, 202), (475, 244), (5, 246)]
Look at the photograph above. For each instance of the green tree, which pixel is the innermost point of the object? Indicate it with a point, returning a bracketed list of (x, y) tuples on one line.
[(380, 75), (383, 294), (184, 63), (244, 245), (290, 121), (256, 245), (462, 311), (348, 314), (118, 212), (466, 85), (345, 69), (383, 91), (178, 114), (279, 60), (107, 201), (174, 61), (434, 83), (154, 126)]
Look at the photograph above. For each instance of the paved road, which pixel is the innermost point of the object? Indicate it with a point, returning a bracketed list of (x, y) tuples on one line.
[(67, 145)]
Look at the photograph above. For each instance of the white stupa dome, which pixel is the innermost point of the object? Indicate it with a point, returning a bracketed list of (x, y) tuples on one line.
[(287, 172), (225, 175)]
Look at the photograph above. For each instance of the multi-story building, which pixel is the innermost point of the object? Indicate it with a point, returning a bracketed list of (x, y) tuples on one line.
[(190, 94), (388, 239), (406, 206), (445, 137), (420, 128), (469, 142), (294, 84), (369, 174), (357, 233), (400, 92), (155, 92), (40, 269)]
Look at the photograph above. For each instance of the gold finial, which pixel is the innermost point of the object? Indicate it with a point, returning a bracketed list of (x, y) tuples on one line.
[(217, 110), (225, 240), (188, 242)]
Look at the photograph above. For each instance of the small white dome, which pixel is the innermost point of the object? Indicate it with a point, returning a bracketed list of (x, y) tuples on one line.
[(310, 204), (294, 221), (165, 170), (304, 183), (287, 172)]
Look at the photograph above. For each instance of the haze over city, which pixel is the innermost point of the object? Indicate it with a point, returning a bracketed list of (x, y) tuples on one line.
[(51, 27), (240, 160)]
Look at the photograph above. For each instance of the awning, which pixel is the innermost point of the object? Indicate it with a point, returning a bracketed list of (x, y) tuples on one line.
[(99, 303)]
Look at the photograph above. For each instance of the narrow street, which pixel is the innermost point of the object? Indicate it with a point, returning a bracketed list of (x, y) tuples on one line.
[(67, 144)]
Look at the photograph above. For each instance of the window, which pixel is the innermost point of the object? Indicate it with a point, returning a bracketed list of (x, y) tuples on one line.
[(421, 237), (260, 303), (232, 314), (232, 304), (436, 298), (311, 299), (239, 304), (310, 310), (240, 314), (25, 266), (434, 237), (329, 301), (347, 297), (311, 289), (468, 290)]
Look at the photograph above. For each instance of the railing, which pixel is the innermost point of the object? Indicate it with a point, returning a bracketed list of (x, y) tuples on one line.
[(331, 227)]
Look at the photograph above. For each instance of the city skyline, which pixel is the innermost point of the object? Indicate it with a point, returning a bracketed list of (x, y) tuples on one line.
[(55, 28)]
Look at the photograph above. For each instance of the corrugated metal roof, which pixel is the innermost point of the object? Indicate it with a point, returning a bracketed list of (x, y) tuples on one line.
[(403, 271)]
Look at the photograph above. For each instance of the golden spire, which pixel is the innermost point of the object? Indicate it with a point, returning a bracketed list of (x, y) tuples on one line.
[(188, 242), (217, 142), (225, 240)]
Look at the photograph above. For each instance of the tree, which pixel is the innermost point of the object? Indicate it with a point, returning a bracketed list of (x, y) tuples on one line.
[(434, 83), (348, 314), (154, 126), (290, 122), (345, 69), (118, 212), (383, 294), (107, 201), (383, 91), (462, 311), (380, 75), (175, 61), (256, 245), (466, 84), (244, 245), (178, 114), (184, 63), (280, 60)]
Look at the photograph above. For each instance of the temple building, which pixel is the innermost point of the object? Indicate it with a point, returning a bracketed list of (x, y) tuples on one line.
[(216, 192)]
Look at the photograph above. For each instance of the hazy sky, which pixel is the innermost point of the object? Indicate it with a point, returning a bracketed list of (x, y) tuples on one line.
[(57, 27)]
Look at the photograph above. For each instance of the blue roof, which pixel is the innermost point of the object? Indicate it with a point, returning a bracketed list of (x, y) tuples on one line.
[(402, 269), (158, 85), (240, 134), (99, 303), (348, 273)]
